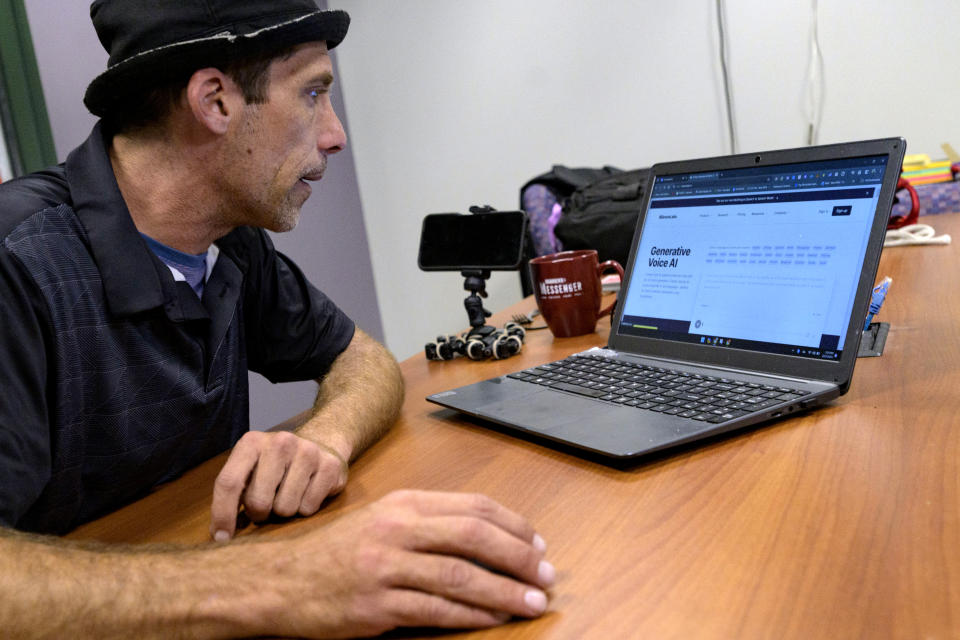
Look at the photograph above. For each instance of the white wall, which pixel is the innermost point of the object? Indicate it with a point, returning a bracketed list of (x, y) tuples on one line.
[(454, 103)]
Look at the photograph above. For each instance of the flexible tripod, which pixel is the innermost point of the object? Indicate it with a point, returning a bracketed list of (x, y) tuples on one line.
[(481, 341)]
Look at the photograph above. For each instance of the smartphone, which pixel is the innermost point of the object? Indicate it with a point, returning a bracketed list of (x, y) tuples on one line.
[(457, 242)]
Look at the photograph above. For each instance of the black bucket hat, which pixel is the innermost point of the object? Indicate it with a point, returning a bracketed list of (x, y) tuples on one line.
[(157, 41)]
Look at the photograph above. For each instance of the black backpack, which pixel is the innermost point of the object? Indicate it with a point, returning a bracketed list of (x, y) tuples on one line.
[(600, 207), (603, 215)]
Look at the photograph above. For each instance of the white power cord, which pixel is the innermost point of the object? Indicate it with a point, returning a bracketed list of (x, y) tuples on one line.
[(727, 92), (914, 234), (816, 81)]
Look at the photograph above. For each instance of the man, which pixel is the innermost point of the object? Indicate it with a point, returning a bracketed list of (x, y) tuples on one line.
[(139, 287)]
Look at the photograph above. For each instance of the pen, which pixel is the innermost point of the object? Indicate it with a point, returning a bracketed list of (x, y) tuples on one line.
[(876, 300)]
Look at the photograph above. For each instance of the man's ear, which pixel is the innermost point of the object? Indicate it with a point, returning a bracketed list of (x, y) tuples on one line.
[(213, 99)]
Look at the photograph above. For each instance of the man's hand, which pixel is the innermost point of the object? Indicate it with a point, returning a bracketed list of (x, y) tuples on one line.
[(410, 559), (277, 472), (413, 559)]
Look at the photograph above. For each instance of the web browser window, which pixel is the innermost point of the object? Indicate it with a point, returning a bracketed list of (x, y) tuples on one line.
[(764, 259)]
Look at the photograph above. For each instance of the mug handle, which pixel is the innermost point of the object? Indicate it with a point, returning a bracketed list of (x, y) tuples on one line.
[(603, 266)]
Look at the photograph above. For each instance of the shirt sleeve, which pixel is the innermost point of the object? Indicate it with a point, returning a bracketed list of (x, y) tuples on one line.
[(25, 452), (293, 330)]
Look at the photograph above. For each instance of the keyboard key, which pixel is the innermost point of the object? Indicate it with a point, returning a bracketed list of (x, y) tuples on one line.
[(593, 393)]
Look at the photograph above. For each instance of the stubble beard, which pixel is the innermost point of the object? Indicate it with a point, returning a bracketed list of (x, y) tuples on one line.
[(286, 216)]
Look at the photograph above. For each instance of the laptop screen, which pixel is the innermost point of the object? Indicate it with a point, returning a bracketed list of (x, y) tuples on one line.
[(764, 259)]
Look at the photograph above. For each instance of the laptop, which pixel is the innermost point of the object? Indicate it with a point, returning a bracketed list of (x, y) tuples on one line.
[(743, 301)]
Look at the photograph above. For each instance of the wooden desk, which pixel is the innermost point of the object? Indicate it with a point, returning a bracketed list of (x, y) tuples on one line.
[(842, 523)]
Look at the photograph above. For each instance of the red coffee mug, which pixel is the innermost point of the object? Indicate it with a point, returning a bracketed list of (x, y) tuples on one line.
[(567, 288)]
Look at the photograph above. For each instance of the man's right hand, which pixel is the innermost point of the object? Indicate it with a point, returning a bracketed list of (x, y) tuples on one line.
[(412, 558)]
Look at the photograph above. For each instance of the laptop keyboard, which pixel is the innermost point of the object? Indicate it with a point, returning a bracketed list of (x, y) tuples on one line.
[(688, 395)]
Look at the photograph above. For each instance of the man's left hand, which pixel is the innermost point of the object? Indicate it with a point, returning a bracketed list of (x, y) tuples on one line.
[(273, 472)]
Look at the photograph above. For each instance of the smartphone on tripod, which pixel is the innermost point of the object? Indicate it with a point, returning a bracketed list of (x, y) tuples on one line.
[(475, 241)]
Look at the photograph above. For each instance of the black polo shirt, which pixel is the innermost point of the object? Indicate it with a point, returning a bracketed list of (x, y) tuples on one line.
[(114, 377)]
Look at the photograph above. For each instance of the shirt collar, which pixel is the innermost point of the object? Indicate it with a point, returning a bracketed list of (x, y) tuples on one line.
[(131, 275)]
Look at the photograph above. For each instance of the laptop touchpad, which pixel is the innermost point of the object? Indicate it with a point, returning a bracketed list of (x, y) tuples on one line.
[(545, 412)]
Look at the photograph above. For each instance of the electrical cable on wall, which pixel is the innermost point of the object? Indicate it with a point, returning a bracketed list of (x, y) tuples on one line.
[(721, 30), (816, 82)]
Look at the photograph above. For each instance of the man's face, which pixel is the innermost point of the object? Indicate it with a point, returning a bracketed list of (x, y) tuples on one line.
[(274, 148)]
